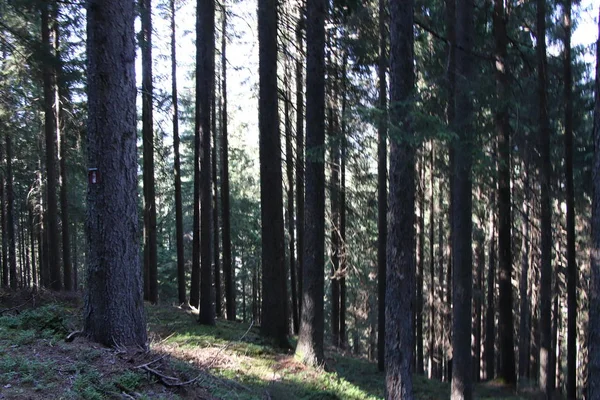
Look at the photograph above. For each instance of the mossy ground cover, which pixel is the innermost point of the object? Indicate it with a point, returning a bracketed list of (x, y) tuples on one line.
[(185, 361)]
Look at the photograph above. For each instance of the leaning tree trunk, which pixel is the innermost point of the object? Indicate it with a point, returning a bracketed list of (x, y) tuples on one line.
[(594, 291), (114, 307), (310, 339), (400, 290)]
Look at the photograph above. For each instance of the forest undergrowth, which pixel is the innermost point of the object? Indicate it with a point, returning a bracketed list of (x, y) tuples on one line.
[(43, 357)]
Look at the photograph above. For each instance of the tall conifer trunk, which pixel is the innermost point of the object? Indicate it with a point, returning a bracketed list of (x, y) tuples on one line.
[(50, 139), (228, 269), (570, 200), (381, 186), (400, 275), (546, 380), (503, 130), (593, 377), (310, 339), (150, 245), (274, 321), (177, 165)]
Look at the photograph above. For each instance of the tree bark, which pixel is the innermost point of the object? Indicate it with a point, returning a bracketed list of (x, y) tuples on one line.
[(490, 310), (50, 136), (546, 381), (150, 246), (310, 339), (177, 165), (524, 307), (228, 270), (289, 169), (401, 232), (10, 222), (61, 139), (274, 324), (205, 72), (506, 370), (432, 360), (593, 377), (300, 158), (215, 204), (570, 200), (382, 186), (114, 308), (419, 358)]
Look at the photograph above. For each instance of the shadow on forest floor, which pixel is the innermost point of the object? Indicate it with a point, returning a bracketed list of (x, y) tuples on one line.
[(186, 361)]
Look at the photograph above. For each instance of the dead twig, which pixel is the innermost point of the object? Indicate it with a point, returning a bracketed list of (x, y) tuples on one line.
[(16, 307), (151, 362)]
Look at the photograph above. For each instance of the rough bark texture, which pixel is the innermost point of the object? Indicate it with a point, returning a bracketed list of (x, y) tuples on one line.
[(310, 339), (594, 291), (570, 200), (506, 370), (205, 72), (334, 197), (274, 323), (432, 360), (150, 245), (343, 250), (289, 170), (10, 220), (228, 270), (177, 165), (114, 307), (300, 158), (524, 302), (419, 358), (400, 290), (382, 186), (489, 350), (462, 206), (61, 135), (546, 377), (50, 140)]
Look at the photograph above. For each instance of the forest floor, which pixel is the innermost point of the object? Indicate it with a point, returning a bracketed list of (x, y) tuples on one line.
[(185, 361)]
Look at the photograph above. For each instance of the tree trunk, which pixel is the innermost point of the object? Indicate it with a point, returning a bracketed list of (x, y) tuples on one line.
[(274, 324), (546, 382), (593, 378), (205, 72), (289, 169), (382, 186), (490, 311), (177, 166), (150, 246), (506, 371), (310, 339), (524, 307), (215, 205), (34, 275), (114, 308), (462, 206), (432, 361), (50, 135), (300, 159), (441, 340), (570, 200), (228, 270), (478, 300), (343, 248), (335, 224), (5, 268), (401, 232), (61, 139), (420, 269), (10, 222)]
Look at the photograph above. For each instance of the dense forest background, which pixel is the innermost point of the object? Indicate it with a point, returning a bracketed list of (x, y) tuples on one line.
[(223, 207)]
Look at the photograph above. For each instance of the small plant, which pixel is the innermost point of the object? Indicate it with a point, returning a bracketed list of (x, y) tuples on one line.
[(129, 381)]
